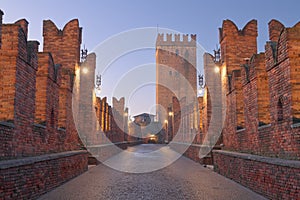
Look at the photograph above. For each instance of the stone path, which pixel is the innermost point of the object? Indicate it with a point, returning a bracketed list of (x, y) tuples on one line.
[(183, 179)]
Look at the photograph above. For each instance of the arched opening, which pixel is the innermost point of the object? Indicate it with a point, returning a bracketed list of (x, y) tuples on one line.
[(52, 118), (280, 110)]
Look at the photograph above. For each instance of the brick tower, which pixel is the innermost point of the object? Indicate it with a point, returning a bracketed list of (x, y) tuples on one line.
[(64, 46), (175, 71)]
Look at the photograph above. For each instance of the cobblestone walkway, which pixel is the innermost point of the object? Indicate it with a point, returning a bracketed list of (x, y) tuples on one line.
[(184, 179)]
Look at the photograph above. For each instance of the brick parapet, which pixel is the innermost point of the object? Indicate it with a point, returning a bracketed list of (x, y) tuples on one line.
[(64, 46), (264, 175), (266, 92), (41, 173), (236, 45)]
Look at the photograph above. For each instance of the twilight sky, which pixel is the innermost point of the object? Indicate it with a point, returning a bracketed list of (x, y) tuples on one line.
[(103, 19)]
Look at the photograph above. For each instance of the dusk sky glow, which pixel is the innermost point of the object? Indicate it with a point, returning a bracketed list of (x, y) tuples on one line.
[(103, 19)]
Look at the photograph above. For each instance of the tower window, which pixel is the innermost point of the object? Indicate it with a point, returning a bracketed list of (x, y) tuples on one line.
[(170, 73), (177, 52)]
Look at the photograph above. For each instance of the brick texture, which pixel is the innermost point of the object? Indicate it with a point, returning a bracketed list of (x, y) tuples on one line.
[(273, 180), (260, 95), (112, 124), (31, 83), (175, 71), (64, 46), (33, 179), (262, 108)]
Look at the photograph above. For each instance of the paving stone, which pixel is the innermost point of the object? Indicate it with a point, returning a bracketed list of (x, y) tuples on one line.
[(184, 179)]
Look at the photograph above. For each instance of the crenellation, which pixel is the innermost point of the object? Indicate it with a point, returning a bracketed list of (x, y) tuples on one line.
[(230, 29), (282, 51), (275, 29), (23, 23), (179, 40), (185, 38), (169, 37), (259, 91), (69, 58), (236, 45), (293, 51), (271, 54), (30, 81), (255, 88), (49, 28), (263, 102), (250, 29), (32, 55), (36, 106), (193, 37), (177, 37), (175, 65)]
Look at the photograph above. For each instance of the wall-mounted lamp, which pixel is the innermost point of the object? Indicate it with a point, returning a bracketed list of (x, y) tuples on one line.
[(98, 83), (85, 70), (217, 69), (84, 53), (201, 81), (217, 55), (201, 84)]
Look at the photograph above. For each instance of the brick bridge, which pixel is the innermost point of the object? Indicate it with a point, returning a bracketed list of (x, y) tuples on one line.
[(259, 146)]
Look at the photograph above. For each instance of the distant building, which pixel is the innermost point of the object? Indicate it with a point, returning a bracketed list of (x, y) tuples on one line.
[(176, 63), (144, 127), (143, 119)]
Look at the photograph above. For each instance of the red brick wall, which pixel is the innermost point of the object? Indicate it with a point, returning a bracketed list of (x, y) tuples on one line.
[(7, 136), (271, 177), (293, 43), (175, 68), (254, 100), (282, 70), (275, 28), (267, 96), (22, 80), (236, 45), (233, 100), (30, 82), (30, 94), (64, 46), (18, 71), (40, 174), (47, 89), (9, 55), (255, 95), (111, 122)]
